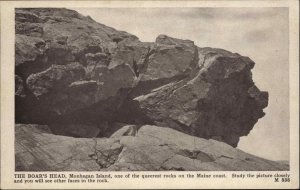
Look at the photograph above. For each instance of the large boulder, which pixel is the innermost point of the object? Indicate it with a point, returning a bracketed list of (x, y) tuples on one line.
[(220, 101), (73, 101), (55, 87)]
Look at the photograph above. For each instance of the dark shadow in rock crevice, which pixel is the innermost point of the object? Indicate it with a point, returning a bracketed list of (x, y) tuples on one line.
[(29, 67), (145, 87), (97, 120)]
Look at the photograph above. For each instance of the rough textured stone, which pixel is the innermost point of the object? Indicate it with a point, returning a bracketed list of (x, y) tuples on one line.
[(112, 80), (152, 148), (19, 87), (81, 77), (48, 43), (55, 88), (75, 130), (29, 55), (127, 130), (36, 149), (170, 57), (220, 101)]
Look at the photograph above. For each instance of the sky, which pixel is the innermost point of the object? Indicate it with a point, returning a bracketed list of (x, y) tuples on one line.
[(259, 33)]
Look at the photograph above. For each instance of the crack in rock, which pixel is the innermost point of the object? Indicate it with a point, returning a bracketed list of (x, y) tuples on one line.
[(105, 157)]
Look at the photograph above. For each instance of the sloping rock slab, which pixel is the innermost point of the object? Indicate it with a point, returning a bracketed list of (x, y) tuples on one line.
[(151, 148)]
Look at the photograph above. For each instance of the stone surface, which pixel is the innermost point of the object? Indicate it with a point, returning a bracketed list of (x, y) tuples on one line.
[(151, 148), (170, 57), (82, 79), (65, 60), (127, 130), (54, 87), (19, 87), (217, 101)]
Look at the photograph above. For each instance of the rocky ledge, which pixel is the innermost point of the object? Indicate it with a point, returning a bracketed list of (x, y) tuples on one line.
[(149, 148), (80, 78)]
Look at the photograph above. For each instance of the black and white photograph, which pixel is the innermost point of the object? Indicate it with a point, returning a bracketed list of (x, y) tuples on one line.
[(153, 90), (149, 94)]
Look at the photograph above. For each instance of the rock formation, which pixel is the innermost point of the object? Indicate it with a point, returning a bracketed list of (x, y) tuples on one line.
[(150, 148), (81, 78)]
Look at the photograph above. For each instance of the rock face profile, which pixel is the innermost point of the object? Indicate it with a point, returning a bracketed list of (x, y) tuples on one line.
[(97, 96)]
